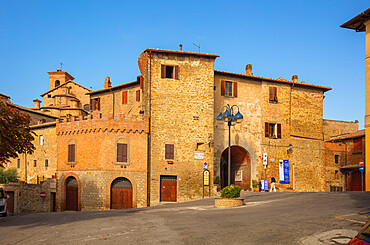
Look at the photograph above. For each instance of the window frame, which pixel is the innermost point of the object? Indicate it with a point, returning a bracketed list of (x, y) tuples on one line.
[(124, 97), (41, 139), (273, 94), (276, 130), (46, 163), (232, 85), (95, 104), (174, 74), (169, 154), (336, 159)]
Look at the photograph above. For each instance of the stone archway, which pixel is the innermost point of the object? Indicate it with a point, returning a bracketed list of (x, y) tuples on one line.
[(121, 193), (71, 198), (240, 167)]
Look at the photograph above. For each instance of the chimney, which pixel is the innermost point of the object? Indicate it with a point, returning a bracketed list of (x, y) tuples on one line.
[(37, 103), (107, 83), (295, 78), (248, 70), (180, 47)]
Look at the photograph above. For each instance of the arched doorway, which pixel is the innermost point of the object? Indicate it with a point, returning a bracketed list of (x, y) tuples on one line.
[(121, 194), (71, 193), (240, 167)]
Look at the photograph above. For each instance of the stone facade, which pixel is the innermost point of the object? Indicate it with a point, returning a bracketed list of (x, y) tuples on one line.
[(334, 128)]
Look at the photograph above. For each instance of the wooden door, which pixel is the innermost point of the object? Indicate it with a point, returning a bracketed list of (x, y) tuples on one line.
[(71, 194), (356, 181), (10, 201), (168, 189), (72, 198), (121, 194), (53, 206)]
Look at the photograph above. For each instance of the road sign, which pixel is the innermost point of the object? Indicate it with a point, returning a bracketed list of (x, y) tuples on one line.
[(361, 163), (264, 159), (362, 168), (205, 165), (42, 194)]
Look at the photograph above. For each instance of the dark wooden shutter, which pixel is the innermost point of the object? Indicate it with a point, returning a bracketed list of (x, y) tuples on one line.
[(169, 151), (223, 87), (137, 95), (121, 152), (163, 71), (271, 93), (71, 153), (266, 129), (177, 72), (98, 99), (279, 131), (91, 104), (275, 94), (235, 88), (124, 97)]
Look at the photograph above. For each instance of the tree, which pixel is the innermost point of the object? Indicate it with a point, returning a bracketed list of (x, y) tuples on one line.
[(15, 133), (9, 175)]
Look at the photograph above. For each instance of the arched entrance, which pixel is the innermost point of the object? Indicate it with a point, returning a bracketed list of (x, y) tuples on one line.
[(240, 167), (121, 194), (71, 193)]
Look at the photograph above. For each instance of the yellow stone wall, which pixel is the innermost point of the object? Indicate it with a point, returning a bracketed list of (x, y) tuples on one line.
[(181, 114), (334, 128)]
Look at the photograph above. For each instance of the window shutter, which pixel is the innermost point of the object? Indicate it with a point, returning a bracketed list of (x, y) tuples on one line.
[(177, 72), (235, 88), (71, 153), (223, 87), (275, 94), (124, 152), (169, 151), (137, 95), (98, 104), (163, 71), (266, 129), (119, 152), (124, 97), (271, 93), (278, 131), (91, 104)]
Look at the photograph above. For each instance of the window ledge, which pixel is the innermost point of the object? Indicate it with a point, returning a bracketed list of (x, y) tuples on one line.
[(122, 163), (273, 102), (71, 163)]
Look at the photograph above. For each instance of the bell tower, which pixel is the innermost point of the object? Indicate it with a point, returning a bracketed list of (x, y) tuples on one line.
[(58, 78)]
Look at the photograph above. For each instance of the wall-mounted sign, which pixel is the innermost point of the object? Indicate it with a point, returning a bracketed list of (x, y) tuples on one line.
[(281, 170), (205, 165), (199, 155), (264, 159), (286, 172), (239, 175)]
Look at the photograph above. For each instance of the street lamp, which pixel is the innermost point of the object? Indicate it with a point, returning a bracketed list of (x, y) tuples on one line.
[(231, 118)]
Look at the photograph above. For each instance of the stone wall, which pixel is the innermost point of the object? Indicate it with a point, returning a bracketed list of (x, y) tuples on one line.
[(334, 176), (27, 196), (334, 128)]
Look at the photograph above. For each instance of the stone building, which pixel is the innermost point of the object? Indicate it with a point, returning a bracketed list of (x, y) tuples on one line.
[(361, 23), (342, 157), (150, 140)]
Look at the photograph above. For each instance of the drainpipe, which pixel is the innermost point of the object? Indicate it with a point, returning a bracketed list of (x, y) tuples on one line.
[(149, 135), (25, 167)]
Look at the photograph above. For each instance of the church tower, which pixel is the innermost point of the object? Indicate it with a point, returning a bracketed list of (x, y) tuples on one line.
[(58, 78)]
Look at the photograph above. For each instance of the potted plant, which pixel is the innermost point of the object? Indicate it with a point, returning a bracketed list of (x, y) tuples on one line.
[(255, 185), (230, 197)]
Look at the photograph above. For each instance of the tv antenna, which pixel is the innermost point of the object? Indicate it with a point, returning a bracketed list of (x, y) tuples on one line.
[(61, 66), (198, 46)]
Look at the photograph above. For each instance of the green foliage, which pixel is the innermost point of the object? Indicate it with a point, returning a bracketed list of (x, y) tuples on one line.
[(217, 180), (254, 183), (15, 133), (231, 192), (9, 175)]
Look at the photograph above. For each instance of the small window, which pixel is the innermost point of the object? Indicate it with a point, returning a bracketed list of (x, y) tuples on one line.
[(49, 95), (229, 88), (273, 94), (124, 97), (169, 151), (46, 163), (357, 145), (34, 163), (41, 138), (18, 163), (71, 152), (336, 158), (137, 95), (57, 83), (95, 104), (121, 153), (273, 130), (169, 71)]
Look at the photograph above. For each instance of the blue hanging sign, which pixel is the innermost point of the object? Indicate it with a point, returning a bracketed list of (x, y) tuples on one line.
[(265, 185), (286, 173)]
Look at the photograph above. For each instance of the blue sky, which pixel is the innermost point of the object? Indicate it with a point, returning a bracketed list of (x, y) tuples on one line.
[(95, 39)]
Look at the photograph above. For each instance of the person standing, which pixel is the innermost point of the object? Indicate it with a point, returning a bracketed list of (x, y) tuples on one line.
[(273, 184)]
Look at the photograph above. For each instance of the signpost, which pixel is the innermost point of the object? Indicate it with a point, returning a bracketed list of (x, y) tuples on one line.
[(362, 174), (265, 162)]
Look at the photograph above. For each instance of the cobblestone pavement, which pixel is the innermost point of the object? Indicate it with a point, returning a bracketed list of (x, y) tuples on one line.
[(266, 218)]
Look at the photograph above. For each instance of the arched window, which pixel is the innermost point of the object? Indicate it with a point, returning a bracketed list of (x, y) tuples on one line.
[(71, 151), (122, 151), (57, 83)]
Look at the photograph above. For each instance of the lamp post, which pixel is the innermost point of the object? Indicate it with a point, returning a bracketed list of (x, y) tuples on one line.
[(231, 118)]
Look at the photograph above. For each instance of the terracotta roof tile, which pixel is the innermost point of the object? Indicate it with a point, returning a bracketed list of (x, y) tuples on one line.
[(179, 52), (357, 134)]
